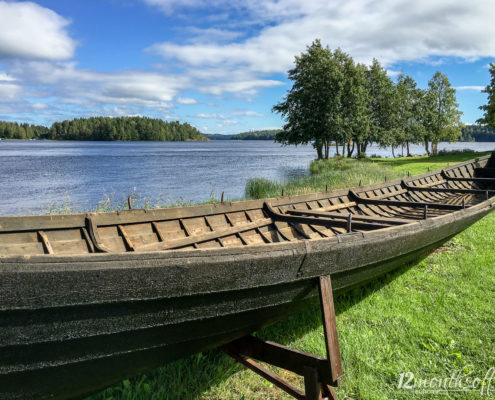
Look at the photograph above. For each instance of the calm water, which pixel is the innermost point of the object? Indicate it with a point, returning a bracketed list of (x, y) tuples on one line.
[(35, 174)]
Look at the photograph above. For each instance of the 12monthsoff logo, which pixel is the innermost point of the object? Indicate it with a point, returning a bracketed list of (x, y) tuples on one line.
[(459, 381)]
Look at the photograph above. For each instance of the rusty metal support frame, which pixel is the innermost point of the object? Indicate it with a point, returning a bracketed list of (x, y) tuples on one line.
[(320, 374)]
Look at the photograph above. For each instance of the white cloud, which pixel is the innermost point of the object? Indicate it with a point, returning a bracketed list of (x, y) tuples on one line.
[(248, 113), (6, 77), (206, 116), (240, 87), (130, 87), (9, 92), (475, 88), (208, 35), (39, 106), (390, 30), (186, 100), (28, 30)]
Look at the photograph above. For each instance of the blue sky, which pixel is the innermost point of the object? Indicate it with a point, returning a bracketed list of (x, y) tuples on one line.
[(217, 64)]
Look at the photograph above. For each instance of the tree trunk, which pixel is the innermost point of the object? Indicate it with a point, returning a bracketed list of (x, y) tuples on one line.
[(434, 148), (393, 154), (337, 149), (350, 149), (408, 152), (343, 149), (365, 146), (327, 147), (319, 148), (402, 150), (427, 146)]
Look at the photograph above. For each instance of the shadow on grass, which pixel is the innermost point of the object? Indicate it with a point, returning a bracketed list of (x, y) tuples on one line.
[(188, 378)]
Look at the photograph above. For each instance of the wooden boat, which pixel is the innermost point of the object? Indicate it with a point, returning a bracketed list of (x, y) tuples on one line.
[(87, 300)]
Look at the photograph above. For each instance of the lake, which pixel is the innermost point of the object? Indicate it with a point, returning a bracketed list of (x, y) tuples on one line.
[(36, 174)]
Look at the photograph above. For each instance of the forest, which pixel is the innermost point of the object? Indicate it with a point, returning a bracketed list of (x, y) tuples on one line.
[(477, 133), (105, 129), (267, 134)]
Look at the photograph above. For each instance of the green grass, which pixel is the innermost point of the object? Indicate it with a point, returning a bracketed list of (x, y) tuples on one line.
[(420, 164), (343, 172), (334, 173), (432, 318)]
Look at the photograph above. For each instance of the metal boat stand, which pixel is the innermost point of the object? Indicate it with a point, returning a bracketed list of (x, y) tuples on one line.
[(320, 374)]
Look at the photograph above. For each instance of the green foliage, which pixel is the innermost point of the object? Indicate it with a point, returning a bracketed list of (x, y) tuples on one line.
[(268, 134), (13, 130), (382, 107), (333, 173), (311, 106), (257, 135), (478, 133), (489, 108), (332, 99), (123, 129), (441, 114)]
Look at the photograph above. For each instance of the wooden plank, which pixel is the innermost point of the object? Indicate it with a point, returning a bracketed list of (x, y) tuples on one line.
[(355, 217), (91, 248), (266, 374), (340, 206), (46, 243), (157, 230), (404, 203), (204, 236), (281, 356), (127, 240), (95, 237), (463, 179), (444, 190), (320, 221), (330, 328)]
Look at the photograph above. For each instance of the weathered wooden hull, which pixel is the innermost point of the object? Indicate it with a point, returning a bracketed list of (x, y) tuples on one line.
[(73, 324)]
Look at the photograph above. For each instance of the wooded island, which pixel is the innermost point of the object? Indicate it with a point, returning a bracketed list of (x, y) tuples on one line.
[(105, 129)]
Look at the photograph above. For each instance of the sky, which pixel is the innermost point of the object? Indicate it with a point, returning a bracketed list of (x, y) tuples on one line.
[(221, 65)]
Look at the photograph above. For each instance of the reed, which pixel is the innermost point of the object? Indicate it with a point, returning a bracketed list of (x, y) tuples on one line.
[(332, 174)]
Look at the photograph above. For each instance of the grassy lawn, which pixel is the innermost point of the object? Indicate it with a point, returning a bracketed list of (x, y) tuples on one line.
[(435, 318)]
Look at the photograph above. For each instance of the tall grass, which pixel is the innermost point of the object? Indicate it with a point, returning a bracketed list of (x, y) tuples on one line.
[(334, 173)]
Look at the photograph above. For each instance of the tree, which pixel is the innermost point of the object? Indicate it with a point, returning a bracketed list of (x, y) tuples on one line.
[(382, 113), (442, 117), (311, 106), (489, 108), (410, 128), (356, 105)]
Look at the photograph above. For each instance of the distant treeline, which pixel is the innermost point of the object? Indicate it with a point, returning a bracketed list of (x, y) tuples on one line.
[(477, 133), (104, 128), (251, 135), (13, 130)]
